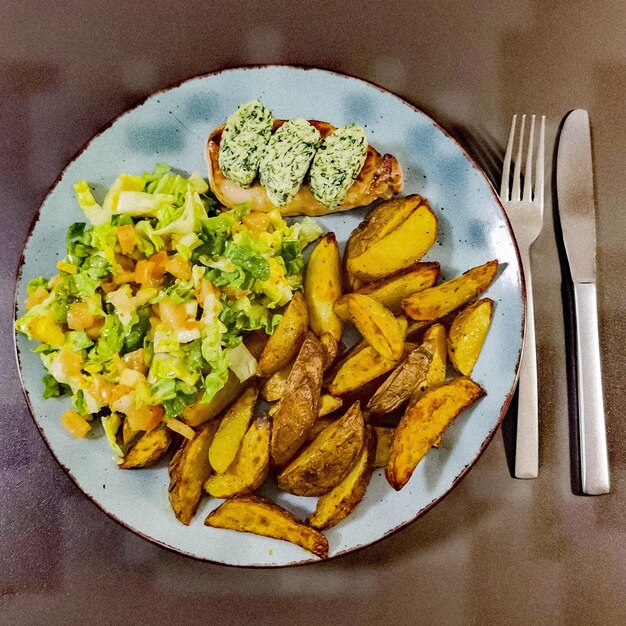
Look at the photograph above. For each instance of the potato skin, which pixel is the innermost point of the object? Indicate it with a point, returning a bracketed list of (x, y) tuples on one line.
[(384, 439), (249, 469), (327, 459), (341, 501), (422, 425), (283, 346), (298, 408), (435, 302), (322, 287), (254, 514), (380, 177), (149, 449), (467, 335), (188, 470)]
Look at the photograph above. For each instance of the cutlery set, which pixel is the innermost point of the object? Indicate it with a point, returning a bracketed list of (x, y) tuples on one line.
[(523, 203)]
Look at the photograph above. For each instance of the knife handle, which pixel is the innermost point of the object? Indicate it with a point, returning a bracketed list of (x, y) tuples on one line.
[(594, 462)]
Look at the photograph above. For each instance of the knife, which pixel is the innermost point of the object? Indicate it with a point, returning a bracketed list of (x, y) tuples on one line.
[(574, 183)]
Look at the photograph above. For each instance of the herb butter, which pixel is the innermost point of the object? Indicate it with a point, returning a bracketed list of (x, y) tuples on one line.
[(244, 137), (337, 164), (286, 159)]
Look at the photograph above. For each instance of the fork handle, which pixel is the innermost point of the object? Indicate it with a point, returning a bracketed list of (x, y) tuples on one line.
[(594, 462), (527, 437)]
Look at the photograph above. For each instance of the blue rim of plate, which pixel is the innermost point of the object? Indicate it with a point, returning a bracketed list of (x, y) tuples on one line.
[(503, 410)]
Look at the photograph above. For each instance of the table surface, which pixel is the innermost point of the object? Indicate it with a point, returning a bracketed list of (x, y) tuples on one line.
[(496, 550)]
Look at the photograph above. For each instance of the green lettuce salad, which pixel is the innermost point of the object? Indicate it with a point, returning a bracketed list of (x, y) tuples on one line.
[(150, 306)]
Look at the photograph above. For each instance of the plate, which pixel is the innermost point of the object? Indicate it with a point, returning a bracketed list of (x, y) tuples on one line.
[(171, 126)]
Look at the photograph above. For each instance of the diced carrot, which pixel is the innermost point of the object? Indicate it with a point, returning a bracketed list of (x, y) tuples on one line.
[(46, 330), (256, 221), (71, 363), (136, 360), (178, 267), (181, 428), (95, 330), (145, 418), (78, 316), (172, 315), (68, 268), (37, 297), (75, 423), (127, 238)]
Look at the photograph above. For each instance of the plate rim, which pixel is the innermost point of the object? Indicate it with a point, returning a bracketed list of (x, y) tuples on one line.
[(302, 67)]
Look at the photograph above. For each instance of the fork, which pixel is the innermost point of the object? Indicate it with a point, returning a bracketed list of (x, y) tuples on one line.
[(523, 204)]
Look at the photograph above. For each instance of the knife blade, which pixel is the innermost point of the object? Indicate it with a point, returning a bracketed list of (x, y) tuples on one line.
[(575, 191)]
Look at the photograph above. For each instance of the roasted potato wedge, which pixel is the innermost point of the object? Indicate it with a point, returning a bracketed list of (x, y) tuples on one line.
[(231, 431), (328, 404), (331, 347), (250, 467), (467, 334), (150, 447), (360, 366), (384, 439), (283, 346), (298, 408), (189, 468), (402, 382), (338, 503), (200, 412), (395, 235), (422, 425), (435, 302), (321, 423), (322, 287), (435, 342), (275, 385), (380, 177), (327, 459), (254, 514), (393, 290)]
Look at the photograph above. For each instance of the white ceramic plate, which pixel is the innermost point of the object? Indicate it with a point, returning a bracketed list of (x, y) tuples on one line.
[(172, 126)]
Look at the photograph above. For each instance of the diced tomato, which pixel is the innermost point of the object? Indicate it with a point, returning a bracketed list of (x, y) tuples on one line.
[(256, 221), (159, 259), (37, 297), (127, 238), (46, 330), (75, 423), (116, 392), (145, 418), (71, 363), (78, 316), (178, 267), (143, 272), (172, 315), (95, 330), (136, 360)]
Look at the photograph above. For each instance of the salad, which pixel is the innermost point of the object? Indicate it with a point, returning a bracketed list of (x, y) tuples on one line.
[(149, 308)]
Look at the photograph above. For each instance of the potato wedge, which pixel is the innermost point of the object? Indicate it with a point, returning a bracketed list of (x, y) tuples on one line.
[(384, 439), (198, 413), (322, 287), (328, 404), (435, 341), (321, 423), (402, 382), (331, 347), (275, 385), (188, 470), (423, 423), (435, 302), (150, 448), (257, 515), (467, 334), (360, 366), (231, 431), (392, 290), (327, 459), (395, 235), (378, 325), (250, 467), (298, 408), (283, 346), (338, 503)]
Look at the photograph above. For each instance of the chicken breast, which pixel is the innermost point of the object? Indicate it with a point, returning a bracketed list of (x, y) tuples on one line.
[(380, 178)]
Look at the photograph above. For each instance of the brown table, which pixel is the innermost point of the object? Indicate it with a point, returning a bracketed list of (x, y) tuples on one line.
[(496, 550)]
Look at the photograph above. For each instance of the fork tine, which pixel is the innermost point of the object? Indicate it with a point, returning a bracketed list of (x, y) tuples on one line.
[(506, 165), (517, 170), (528, 172), (539, 187)]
